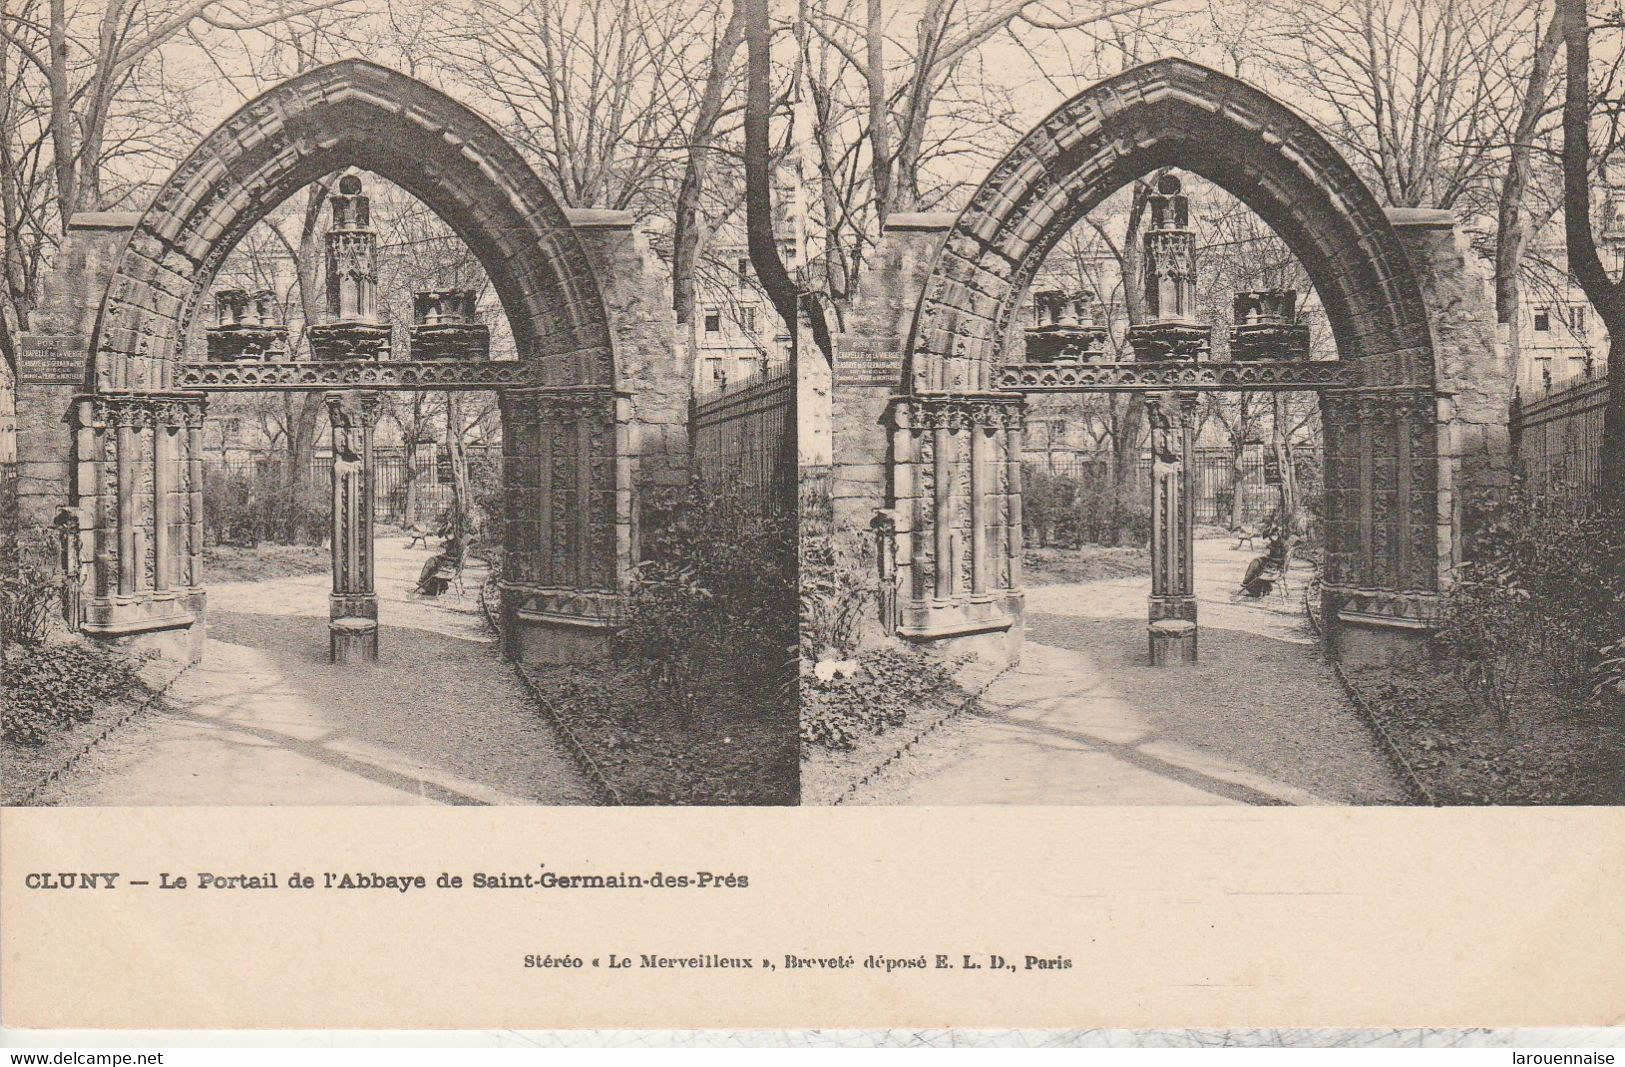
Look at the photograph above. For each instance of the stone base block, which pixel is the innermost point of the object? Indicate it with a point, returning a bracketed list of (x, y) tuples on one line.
[(988, 628), (1171, 607), (1364, 644), (1173, 642), (529, 639), (352, 640), (173, 627)]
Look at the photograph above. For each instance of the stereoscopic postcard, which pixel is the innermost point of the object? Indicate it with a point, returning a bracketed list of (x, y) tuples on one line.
[(730, 514)]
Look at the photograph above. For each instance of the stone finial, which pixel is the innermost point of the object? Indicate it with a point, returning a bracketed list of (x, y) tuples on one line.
[(443, 326), (1266, 326), (231, 307), (247, 327)]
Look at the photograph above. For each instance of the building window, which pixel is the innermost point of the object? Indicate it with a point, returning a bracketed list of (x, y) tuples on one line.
[(744, 272), (1057, 430), (714, 371), (1543, 322), (1577, 318), (748, 317), (231, 427), (713, 321)]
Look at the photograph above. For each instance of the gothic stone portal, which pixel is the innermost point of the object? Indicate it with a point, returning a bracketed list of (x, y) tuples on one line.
[(590, 417), (1414, 409)]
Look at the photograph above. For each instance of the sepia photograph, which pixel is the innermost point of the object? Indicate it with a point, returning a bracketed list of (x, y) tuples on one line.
[(1219, 408), (386, 433)]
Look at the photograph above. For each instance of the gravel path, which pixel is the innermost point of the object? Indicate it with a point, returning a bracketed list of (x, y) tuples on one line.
[(265, 719), (1084, 719)]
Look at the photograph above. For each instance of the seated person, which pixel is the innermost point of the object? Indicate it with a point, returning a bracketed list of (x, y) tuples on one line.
[(1264, 570), (441, 569)]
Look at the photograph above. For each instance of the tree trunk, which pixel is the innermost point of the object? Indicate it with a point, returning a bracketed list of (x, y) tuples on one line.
[(1281, 448), (62, 148), (1607, 296), (686, 225), (1238, 471), (764, 250), (308, 410), (459, 465), (880, 161), (14, 309)]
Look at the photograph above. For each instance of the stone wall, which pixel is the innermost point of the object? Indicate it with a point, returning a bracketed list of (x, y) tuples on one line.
[(654, 379), (1473, 374), (63, 322), (869, 367)]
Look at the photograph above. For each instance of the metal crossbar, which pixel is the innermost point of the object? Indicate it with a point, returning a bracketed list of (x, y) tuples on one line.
[(360, 374), (1277, 375)]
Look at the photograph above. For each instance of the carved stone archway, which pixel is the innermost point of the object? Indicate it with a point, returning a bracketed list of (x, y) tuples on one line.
[(570, 421), (952, 446)]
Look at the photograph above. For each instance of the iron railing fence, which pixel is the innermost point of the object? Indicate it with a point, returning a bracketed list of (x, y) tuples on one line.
[(746, 433), (1557, 439), (394, 471), (1214, 474)]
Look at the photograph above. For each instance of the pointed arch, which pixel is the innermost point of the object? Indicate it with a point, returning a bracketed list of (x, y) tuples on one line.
[(1169, 113), (352, 113)]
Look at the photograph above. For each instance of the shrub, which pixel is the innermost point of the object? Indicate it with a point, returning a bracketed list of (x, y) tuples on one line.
[(1485, 630), (50, 687), (30, 591), (1063, 511), (715, 592), (1546, 580), (485, 485), (838, 583), (664, 634), (245, 507), (889, 682)]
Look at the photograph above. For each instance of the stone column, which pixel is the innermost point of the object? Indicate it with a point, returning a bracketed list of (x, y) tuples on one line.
[(353, 606), (137, 497), (956, 489), (1172, 607), (1012, 458)]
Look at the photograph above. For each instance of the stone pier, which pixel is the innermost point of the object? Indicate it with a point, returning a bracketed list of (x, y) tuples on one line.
[(1172, 606), (353, 605)]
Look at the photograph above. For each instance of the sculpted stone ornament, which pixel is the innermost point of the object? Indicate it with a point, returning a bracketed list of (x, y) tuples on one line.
[(1172, 605), (353, 605), (246, 327), (1266, 326), (352, 329), (443, 326), (1064, 329), (1169, 281)]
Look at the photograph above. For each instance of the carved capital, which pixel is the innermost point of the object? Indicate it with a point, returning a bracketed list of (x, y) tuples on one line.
[(962, 412), (353, 409), (142, 411), (563, 404)]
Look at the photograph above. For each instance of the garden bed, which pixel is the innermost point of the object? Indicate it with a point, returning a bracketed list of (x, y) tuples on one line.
[(853, 726), (1088, 563), (27, 766), (737, 747), (231, 563), (1550, 753)]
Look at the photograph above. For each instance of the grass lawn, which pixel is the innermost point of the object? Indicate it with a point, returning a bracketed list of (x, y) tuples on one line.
[(1087, 563), (231, 563)]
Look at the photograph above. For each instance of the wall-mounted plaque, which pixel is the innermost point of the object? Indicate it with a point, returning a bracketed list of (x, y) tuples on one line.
[(52, 359), (864, 360)]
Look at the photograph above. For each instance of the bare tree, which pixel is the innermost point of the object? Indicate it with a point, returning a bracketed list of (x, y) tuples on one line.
[(1581, 159), (788, 298)]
